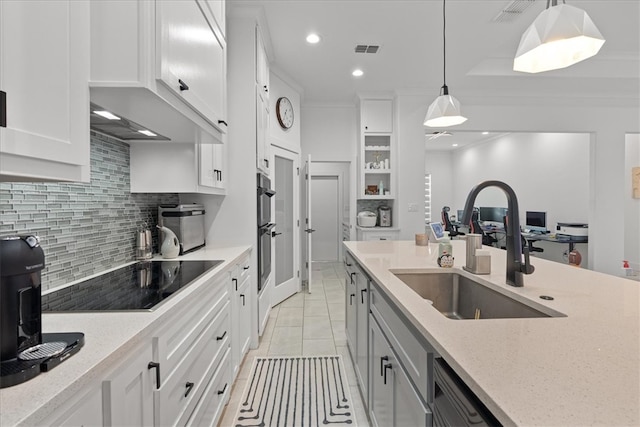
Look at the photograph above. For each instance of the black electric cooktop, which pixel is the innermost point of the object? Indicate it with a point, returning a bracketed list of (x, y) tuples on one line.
[(139, 286)]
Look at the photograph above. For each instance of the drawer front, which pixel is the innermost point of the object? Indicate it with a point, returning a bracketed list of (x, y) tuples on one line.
[(412, 353), (177, 336), (244, 269), (215, 396), (380, 235), (175, 401)]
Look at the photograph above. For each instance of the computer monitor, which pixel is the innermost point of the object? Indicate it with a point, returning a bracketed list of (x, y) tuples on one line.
[(492, 214), (460, 214), (536, 221)]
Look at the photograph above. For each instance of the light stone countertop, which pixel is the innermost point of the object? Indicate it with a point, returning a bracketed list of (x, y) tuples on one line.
[(578, 370), (109, 338)]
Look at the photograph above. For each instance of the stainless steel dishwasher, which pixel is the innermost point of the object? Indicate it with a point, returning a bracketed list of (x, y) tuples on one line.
[(454, 404)]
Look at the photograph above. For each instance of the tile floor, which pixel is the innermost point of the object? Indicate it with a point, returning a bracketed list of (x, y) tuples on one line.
[(307, 324)]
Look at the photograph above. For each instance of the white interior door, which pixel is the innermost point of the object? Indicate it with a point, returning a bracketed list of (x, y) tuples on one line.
[(308, 230), (287, 230), (326, 213)]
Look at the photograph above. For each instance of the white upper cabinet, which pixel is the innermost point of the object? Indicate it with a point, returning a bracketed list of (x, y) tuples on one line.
[(377, 115), (377, 154), (217, 8), (152, 61), (262, 66), (263, 145), (191, 57), (44, 70)]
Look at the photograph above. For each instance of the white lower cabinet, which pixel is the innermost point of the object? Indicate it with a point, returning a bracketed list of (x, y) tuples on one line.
[(86, 412), (175, 401), (183, 374), (128, 393), (215, 396), (377, 233), (241, 308)]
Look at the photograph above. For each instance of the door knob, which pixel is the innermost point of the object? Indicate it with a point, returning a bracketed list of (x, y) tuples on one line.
[(274, 234), (309, 230)]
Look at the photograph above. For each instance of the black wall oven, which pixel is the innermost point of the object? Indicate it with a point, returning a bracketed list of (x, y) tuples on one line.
[(265, 227)]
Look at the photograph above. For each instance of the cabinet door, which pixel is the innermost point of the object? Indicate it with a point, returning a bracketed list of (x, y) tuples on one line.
[(217, 8), (377, 115), (381, 363), (262, 66), (191, 59), (220, 165), (409, 410), (362, 333), (263, 148), (128, 393), (207, 165), (44, 70), (244, 324), (351, 304), (86, 412)]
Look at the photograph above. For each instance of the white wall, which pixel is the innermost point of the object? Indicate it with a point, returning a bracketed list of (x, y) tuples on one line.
[(288, 139), (549, 172), (410, 114), (631, 205), (607, 125), (330, 134), (438, 164)]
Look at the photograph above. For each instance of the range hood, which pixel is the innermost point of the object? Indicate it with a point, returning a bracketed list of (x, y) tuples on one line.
[(143, 116)]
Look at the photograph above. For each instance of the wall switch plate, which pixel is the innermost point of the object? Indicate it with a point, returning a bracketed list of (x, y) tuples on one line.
[(413, 207)]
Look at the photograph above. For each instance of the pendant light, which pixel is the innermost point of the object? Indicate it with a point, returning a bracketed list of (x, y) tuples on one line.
[(560, 36), (445, 110)]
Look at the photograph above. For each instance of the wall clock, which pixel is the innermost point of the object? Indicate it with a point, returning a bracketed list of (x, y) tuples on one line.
[(284, 112)]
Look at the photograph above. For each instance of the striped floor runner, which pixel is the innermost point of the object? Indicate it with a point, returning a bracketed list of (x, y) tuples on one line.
[(296, 391)]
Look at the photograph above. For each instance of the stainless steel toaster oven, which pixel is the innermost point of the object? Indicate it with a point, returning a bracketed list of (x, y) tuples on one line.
[(187, 222)]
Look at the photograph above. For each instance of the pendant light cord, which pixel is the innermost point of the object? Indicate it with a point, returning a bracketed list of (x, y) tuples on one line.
[(444, 44)]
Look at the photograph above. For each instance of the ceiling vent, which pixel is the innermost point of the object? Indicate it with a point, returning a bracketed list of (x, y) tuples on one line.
[(367, 48), (513, 10)]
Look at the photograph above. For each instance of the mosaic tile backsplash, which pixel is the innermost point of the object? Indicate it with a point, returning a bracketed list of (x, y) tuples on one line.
[(83, 228)]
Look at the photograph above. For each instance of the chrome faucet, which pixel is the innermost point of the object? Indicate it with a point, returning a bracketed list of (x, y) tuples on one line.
[(515, 267)]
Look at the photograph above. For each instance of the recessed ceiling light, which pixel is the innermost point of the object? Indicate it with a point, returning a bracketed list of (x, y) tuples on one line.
[(313, 38), (357, 73), (454, 145), (485, 133), (147, 132), (107, 115)]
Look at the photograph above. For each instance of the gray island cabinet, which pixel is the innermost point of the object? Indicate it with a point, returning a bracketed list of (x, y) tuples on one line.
[(423, 368)]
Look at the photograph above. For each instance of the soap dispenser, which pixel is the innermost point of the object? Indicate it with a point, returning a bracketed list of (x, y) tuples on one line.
[(170, 247)]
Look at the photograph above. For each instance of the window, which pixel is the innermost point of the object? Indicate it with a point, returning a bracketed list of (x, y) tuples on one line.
[(427, 198)]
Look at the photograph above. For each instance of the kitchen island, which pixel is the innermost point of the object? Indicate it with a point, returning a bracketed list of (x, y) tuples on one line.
[(110, 339), (579, 368)]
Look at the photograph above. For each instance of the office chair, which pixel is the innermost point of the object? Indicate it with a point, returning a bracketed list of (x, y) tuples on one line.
[(475, 228), (525, 242), (452, 229)]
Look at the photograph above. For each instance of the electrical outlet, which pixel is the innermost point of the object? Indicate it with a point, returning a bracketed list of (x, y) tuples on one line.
[(413, 207)]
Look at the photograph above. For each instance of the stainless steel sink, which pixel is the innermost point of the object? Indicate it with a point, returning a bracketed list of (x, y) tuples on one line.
[(459, 297)]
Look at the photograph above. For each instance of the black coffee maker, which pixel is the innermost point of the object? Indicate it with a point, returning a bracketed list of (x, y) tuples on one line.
[(25, 350), (21, 261)]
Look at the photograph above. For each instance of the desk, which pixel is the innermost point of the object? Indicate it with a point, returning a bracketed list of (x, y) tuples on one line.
[(571, 240)]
